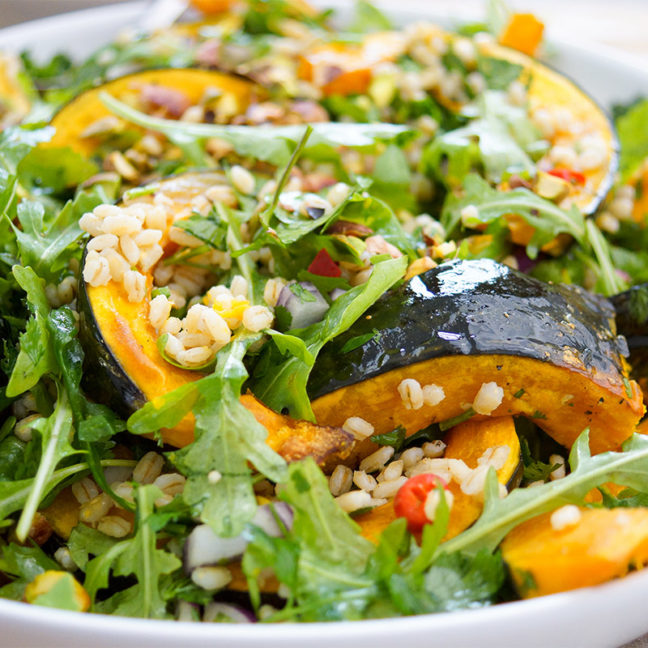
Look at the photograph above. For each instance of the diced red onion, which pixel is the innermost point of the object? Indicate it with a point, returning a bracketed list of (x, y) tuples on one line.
[(203, 547), (336, 292), (236, 614), (304, 313)]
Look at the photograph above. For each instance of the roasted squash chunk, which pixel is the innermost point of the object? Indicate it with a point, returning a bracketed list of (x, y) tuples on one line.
[(604, 544), (550, 349), (467, 441)]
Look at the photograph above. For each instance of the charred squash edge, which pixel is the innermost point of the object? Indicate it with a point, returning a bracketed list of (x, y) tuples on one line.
[(495, 327)]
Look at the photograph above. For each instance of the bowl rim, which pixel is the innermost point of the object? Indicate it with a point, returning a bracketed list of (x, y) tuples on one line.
[(629, 587)]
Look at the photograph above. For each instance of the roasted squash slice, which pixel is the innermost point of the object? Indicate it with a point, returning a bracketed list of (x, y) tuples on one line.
[(551, 349), (467, 441), (73, 121), (548, 89), (604, 544), (125, 368)]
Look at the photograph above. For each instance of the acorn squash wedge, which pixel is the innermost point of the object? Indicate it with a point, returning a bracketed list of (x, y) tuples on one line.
[(604, 544), (548, 89), (125, 369), (551, 349), (467, 441), (189, 85)]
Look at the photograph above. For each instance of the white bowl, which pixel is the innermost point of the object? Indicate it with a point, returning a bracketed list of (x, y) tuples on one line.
[(603, 616)]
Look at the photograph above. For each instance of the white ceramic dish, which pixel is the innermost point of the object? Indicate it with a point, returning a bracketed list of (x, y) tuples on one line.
[(604, 616)]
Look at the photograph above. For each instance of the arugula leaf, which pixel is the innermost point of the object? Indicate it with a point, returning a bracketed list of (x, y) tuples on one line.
[(227, 439), (208, 229), (85, 541), (633, 139), (612, 284), (52, 170), (46, 244), (272, 144), (627, 498), (285, 386), (56, 434), (14, 494), (23, 563), (368, 18), (164, 411), (547, 219), (17, 141), (141, 557), (499, 142), (35, 357), (627, 468), (499, 73), (323, 557)]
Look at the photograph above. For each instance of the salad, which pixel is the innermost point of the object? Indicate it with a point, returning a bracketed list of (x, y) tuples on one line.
[(307, 320)]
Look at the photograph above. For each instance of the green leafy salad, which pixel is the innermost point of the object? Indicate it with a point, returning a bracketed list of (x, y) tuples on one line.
[(311, 319)]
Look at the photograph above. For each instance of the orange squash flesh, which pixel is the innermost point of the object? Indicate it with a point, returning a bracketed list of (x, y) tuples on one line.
[(605, 544), (74, 118), (343, 69), (466, 441), (563, 402), (523, 33)]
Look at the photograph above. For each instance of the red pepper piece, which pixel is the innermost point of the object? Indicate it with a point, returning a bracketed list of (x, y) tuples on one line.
[(410, 499), (569, 175), (324, 266)]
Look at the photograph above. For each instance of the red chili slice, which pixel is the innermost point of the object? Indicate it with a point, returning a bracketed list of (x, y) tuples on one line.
[(568, 175), (410, 499), (324, 266)]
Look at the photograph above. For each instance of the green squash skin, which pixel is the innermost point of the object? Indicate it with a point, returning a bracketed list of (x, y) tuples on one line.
[(103, 377), (632, 322), (477, 307)]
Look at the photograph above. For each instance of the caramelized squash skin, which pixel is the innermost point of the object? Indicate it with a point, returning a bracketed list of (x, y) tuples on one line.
[(86, 109), (605, 544), (550, 348), (467, 441), (125, 368)]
